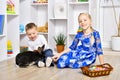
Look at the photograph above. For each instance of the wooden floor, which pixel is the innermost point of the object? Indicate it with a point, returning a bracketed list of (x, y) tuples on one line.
[(9, 71)]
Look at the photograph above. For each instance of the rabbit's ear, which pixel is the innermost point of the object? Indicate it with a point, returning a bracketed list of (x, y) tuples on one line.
[(40, 49), (43, 46)]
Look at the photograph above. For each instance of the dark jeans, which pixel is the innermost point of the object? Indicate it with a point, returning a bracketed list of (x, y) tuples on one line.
[(48, 53)]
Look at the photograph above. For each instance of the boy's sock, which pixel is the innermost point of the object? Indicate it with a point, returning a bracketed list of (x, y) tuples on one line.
[(48, 61), (40, 64)]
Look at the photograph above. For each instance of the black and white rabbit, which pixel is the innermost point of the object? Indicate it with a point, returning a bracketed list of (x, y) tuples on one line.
[(27, 58)]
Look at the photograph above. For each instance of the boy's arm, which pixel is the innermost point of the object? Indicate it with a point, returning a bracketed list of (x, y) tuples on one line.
[(44, 41)]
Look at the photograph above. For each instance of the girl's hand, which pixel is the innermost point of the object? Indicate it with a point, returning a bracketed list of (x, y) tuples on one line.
[(56, 57)]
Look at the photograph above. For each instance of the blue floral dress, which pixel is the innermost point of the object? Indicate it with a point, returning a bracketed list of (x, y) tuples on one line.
[(82, 52)]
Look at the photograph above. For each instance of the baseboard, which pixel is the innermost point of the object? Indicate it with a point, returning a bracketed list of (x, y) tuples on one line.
[(109, 51)]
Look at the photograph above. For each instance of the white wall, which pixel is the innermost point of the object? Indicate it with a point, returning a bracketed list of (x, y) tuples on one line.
[(107, 23)]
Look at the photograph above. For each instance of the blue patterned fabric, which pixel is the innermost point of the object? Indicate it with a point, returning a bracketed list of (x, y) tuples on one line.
[(82, 52)]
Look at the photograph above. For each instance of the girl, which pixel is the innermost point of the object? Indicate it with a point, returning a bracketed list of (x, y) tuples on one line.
[(84, 48)]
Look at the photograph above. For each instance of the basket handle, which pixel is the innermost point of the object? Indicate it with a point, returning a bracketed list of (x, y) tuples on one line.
[(110, 67)]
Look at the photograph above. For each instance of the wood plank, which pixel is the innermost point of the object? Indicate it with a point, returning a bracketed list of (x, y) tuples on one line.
[(9, 71)]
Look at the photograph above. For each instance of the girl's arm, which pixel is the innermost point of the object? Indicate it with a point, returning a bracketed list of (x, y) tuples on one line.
[(99, 48), (101, 59), (65, 51), (56, 57)]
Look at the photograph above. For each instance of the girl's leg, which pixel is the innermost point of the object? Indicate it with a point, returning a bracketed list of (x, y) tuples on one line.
[(78, 61), (63, 61)]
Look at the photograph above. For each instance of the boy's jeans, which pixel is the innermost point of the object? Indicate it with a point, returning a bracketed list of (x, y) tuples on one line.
[(48, 53)]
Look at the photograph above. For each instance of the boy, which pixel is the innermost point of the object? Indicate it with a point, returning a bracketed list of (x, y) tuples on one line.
[(36, 41)]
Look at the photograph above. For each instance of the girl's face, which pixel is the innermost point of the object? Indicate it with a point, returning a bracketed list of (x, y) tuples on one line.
[(32, 33), (84, 21)]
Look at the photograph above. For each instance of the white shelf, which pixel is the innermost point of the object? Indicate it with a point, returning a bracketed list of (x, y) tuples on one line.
[(1, 36), (109, 5), (38, 33), (78, 3), (58, 18), (72, 34), (43, 33), (39, 4), (12, 14), (23, 33)]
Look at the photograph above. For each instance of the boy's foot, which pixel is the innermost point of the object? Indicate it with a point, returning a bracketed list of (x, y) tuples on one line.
[(48, 61), (41, 64)]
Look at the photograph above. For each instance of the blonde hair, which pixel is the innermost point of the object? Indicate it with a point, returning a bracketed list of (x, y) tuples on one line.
[(87, 14), (92, 39)]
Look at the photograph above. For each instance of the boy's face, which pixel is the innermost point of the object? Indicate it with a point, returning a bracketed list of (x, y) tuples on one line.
[(84, 21), (32, 33)]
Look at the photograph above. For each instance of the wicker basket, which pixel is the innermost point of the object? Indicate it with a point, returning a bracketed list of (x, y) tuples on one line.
[(103, 70)]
